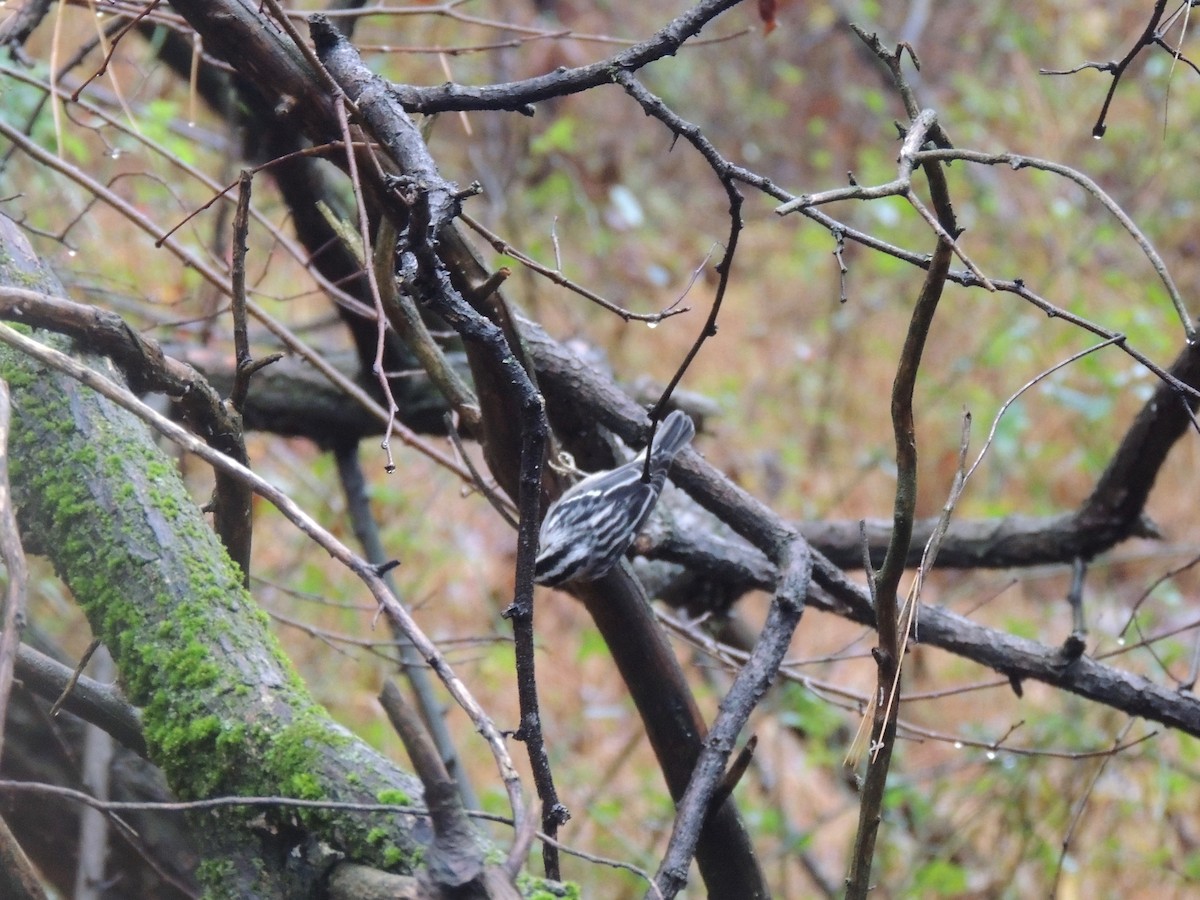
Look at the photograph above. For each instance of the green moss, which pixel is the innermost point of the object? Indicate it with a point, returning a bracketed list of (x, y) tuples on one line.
[(304, 786), (195, 753), (394, 857), (230, 739), (17, 276), (296, 748), (394, 798), (215, 872), (541, 889)]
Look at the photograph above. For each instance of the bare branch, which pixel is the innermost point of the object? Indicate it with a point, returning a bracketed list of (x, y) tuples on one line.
[(521, 95)]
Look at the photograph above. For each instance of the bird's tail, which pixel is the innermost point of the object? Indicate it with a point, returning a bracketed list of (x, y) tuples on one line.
[(675, 433)]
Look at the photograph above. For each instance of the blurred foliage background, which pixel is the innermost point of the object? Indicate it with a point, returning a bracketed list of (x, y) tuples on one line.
[(987, 788)]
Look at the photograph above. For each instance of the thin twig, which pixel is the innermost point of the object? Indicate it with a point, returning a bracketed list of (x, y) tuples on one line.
[(237, 280), (366, 529), (218, 279), (1118, 68), (364, 226), (1018, 162), (901, 186), (501, 504), (521, 95), (654, 106), (1081, 805), (556, 276)]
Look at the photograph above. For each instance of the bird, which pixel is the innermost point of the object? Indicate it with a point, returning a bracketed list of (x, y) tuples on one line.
[(587, 530)]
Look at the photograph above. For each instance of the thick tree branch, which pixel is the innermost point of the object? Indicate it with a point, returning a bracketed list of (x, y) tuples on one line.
[(594, 396)]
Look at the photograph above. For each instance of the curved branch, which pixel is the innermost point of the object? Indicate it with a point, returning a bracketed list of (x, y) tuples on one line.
[(521, 95), (1018, 162)]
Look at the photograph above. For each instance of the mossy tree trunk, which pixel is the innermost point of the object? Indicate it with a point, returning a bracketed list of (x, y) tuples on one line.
[(224, 712)]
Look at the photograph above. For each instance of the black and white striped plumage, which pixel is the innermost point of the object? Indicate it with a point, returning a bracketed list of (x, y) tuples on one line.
[(589, 528)]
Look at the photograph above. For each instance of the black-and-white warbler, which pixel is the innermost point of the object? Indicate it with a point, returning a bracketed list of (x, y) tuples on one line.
[(589, 528)]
